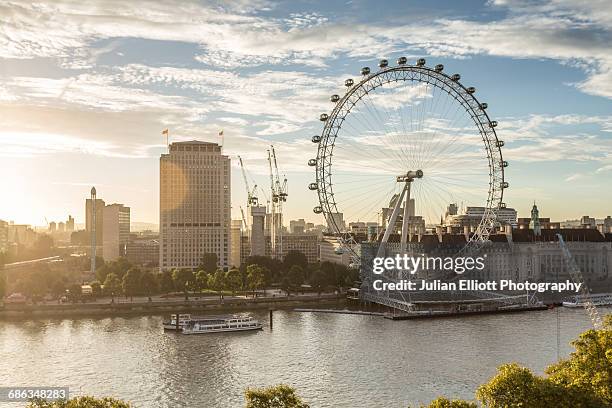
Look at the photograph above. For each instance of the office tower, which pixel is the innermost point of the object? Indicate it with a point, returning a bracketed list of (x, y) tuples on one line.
[(61, 227), (116, 231), (194, 204), (235, 236), (52, 227), (257, 215), (70, 224), (94, 223)]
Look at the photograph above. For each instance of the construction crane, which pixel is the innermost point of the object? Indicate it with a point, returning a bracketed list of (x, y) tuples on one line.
[(279, 196), (244, 222), (576, 275), (251, 197)]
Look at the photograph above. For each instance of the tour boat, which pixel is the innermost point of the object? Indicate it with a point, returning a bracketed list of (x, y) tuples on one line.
[(184, 319), (215, 324), (600, 299)]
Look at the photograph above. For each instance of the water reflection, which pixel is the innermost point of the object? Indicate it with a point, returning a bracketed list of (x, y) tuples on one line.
[(333, 360)]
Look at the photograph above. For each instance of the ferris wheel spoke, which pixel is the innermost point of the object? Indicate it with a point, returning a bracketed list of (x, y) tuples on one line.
[(384, 151)]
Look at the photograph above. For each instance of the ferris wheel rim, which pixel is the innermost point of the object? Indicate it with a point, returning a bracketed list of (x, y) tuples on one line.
[(420, 74)]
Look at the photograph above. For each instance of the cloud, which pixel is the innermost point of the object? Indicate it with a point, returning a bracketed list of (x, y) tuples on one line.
[(230, 37)]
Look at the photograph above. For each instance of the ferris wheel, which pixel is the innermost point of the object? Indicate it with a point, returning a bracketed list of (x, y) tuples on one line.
[(407, 136)]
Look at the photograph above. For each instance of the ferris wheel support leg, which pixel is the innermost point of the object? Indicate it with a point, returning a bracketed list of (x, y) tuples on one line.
[(405, 218), (391, 223)]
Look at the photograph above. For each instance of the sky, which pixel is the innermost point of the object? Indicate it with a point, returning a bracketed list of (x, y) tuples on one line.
[(86, 89)]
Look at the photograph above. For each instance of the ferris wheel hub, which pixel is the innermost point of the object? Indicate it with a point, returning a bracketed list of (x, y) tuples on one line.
[(409, 176)]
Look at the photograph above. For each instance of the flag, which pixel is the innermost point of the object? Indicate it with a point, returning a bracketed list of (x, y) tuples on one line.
[(221, 132), (165, 132)]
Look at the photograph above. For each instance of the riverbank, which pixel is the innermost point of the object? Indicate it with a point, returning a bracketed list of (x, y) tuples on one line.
[(140, 307)]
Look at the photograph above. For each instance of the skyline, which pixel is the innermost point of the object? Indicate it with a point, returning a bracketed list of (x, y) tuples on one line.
[(87, 89)]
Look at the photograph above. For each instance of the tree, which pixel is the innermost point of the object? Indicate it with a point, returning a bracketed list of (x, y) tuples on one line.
[(589, 368), (279, 396), (318, 281), (516, 386), (201, 280), (233, 280), (209, 262), (75, 291), (183, 278), (296, 276), (131, 282), (112, 285), (80, 402), (255, 277), (166, 283), (96, 288), (294, 257), (148, 284), (442, 402), (216, 282)]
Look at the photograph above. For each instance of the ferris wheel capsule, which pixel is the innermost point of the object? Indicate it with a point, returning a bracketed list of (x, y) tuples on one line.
[(348, 83), (504, 163), (402, 61), (334, 98), (317, 210), (504, 184), (383, 63), (499, 143), (323, 117), (456, 77), (316, 139), (365, 71), (313, 186), (484, 106), (471, 90), (493, 123), (420, 62), (312, 162), (439, 68)]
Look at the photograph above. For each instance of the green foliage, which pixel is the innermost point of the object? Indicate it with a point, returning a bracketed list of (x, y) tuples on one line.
[(216, 281), (279, 396), (589, 368), (255, 277), (516, 386), (119, 267), (148, 283), (112, 285), (446, 403), (584, 380), (209, 263), (166, 283), (295, 258), (201, 280), (183, 279), (96, 288), (318, 281), (296, 275), (131, 281), (80, 402), (233, 280)]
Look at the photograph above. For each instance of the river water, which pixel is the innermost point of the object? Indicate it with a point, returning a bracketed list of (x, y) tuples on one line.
[(333, 360)]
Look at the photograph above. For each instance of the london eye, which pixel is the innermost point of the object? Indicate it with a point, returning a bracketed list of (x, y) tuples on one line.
[(402, 144)]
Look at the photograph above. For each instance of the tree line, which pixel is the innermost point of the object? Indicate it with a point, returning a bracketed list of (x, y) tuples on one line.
[(121, 278)]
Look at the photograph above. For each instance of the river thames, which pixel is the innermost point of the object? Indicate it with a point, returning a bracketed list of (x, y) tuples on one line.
[(333, 360)]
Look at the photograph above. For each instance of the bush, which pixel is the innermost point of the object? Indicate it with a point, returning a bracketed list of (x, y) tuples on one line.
[(80, 402)]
